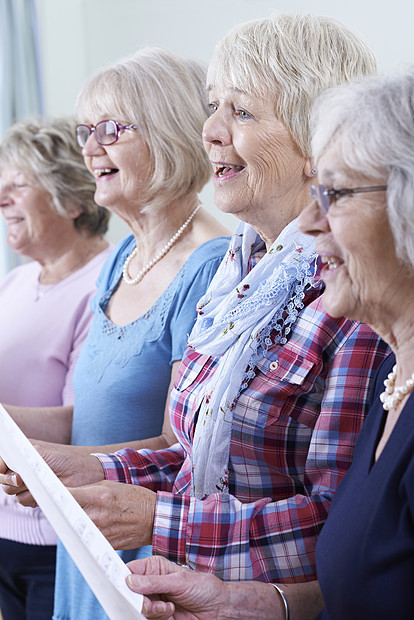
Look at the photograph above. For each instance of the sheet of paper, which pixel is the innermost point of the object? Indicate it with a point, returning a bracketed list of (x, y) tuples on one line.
[(100, 565)]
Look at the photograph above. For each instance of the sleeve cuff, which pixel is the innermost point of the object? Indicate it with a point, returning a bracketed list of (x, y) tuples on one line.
[(170, 526), (112, 466)]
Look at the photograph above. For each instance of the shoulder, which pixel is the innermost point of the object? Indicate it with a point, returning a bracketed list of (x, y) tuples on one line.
[(382, 373), (194, 277), (338, 328), (332, 336), (23, 275), (210, 252), (122, 249), (116, 259)]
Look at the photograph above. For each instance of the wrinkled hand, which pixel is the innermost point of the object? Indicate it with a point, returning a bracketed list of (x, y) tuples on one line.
[(123, 512), (72, 465), (14, 485), (171, 591)]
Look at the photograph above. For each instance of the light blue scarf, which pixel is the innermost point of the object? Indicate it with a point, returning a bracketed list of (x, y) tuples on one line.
[(235, 317)]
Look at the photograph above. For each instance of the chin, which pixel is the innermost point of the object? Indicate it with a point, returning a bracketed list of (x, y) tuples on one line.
[(333, 306), (16, 247), (338, 308)]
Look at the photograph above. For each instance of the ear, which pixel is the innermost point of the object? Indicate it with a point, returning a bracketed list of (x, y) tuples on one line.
[(74, 213), (310, 169)]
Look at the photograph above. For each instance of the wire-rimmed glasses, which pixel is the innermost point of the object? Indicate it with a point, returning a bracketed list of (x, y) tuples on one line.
[(325, 196)]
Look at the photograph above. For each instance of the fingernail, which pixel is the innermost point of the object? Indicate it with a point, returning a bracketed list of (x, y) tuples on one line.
[(14, 480), (133, 580)]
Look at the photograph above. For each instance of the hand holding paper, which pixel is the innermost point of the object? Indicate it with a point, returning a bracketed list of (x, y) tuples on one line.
[(124, 513), (96, 559)]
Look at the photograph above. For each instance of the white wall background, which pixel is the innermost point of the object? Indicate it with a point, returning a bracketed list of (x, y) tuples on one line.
[(80, 36)]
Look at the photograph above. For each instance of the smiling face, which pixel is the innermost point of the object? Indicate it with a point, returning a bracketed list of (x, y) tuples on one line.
[(122, 170), (258, 169), (354, 239), (31, 220)]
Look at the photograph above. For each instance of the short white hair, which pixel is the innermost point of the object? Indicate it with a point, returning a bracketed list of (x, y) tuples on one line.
[(291, 58), (164, 95), (374, 121)]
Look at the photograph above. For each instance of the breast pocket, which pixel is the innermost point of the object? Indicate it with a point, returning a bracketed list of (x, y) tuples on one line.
[(283, 378), (191, 368), (188, 392), (286, 366)]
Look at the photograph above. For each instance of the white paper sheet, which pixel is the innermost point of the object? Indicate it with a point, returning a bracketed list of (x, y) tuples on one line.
[(100, 565)]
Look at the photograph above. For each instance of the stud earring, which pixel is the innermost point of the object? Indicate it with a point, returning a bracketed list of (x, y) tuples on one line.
[(314, 172)]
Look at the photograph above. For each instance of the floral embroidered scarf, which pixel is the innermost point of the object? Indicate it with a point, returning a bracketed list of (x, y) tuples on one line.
[(236, 316)]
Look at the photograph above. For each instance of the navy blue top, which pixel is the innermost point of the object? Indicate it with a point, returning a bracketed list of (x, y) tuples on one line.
[(365, 553)]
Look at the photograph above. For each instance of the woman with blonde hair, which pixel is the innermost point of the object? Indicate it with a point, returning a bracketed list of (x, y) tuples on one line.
[(140, 135)]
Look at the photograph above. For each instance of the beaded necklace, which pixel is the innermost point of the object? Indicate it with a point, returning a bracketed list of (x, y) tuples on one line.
[(127, 278), (392, 395)]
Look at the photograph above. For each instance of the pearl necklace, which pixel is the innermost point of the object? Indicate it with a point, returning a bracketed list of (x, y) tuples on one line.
[(392, 396), (159, 256)]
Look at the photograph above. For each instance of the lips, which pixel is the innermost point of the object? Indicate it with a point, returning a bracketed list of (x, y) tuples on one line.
[(103, 172), (225, 170), (331, 262), (13, 220)]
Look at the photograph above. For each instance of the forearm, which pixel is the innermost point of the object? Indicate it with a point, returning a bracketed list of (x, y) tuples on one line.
[(153, 443), (262, 601), (45, 423), (155, 470)]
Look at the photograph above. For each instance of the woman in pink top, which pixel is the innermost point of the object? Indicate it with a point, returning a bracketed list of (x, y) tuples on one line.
[(47, 202)]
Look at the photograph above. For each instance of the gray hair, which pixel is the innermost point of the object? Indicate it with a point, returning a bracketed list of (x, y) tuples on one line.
[(164, 95), (47, 151), (374, 121), (291, 58)]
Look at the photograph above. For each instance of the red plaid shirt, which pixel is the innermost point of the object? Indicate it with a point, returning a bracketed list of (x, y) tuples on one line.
[(294, 431)]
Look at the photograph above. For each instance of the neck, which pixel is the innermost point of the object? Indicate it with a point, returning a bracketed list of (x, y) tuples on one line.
[(135, 279), (79, 253), (278, 212), (153, 230), (399, 334)]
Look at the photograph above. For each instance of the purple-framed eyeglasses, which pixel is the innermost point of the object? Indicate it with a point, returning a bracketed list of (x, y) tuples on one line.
[(325, 196), (106, 132)]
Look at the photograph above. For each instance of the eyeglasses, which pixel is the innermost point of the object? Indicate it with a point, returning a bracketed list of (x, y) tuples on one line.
[(325, 196), (106, 132)]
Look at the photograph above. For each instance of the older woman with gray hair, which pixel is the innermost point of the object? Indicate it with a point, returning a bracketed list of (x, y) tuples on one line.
[(47, 202), (362, 219)]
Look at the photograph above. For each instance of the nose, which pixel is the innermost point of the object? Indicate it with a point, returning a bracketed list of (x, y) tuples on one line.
[(216, 130), (313, 221), (92, 147), (5, 197)]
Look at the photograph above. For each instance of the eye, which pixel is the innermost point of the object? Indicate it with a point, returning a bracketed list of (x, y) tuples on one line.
[(339, 198), (243, 114), (213, 107), (342, 196)]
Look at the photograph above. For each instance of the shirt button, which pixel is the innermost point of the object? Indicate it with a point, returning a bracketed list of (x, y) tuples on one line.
[(274, 365)]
